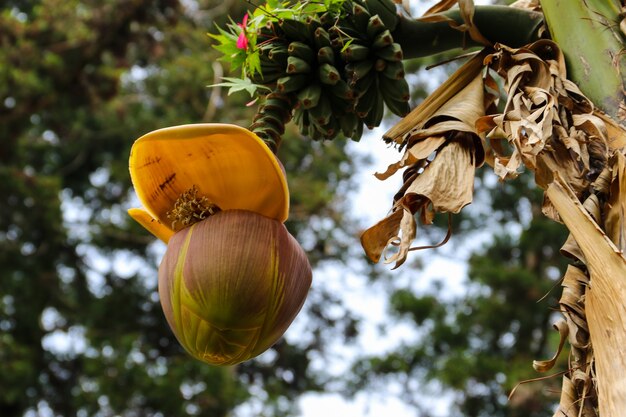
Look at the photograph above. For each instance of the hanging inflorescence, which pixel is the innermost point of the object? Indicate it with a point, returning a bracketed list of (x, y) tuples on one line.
[(336, 67)]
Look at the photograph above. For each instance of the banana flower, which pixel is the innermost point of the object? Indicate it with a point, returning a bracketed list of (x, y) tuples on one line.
[(232, 279)]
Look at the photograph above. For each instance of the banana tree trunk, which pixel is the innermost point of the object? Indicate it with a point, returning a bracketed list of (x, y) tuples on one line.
[(588, 33), (605, 303)]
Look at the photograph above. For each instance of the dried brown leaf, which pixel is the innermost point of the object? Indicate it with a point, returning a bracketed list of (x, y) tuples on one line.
[(448, 181), (549, 124), (616, 133), (574, 282), (571, 249), (572, 306), (420, 150), (459, 114), (581, 380), (467, 13), (445, 185), (527, 4), (546, 365), (375, 239), (568, 406), (421, 114), (441, 6), (466, 7), (615, 210), (408, 227), (441, 154)]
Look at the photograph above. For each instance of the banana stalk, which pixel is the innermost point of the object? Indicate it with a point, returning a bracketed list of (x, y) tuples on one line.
[(502, 24)]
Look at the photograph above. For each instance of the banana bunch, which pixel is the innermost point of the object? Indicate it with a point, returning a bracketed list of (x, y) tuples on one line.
[(374, 64), (337, 74)]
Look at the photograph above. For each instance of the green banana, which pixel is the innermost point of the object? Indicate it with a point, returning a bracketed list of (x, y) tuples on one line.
[(394, 70), (278, 54), (291, 83), (366, 102), (348, 123), (271, 121), (264, 50), (380, 65), (376, 113), (301, 118), (386, 9), (356, 136), (326, 55), (265, 32), (328, 74), (326, 19), (294, 29), (399, 107), (360, 17), (382, 40), (268, 67), (362, 85), (332, 129), (314, 130), (297, 65), (397, 89), (277, 103), (301, 50), (375, 26), (264, 77), (322, 113), (314, 133), (312, 23), (267, 135), (358, 70), (321, 38), (392, 53), (343, 90), (355, 52), (326, 131), (309, 96), (340, 105)]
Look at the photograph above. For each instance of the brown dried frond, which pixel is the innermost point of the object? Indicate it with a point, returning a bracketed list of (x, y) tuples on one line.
[(441, 154), (547, 120)]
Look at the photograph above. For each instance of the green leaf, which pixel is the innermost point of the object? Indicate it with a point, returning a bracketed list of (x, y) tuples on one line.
[(254, 63), (228, 47), (240, 84)]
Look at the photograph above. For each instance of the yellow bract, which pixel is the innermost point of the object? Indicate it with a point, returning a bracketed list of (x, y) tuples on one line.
[(229, 165)]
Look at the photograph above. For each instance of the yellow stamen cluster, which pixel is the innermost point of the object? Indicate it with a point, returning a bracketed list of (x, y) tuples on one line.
[(191, 208)]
